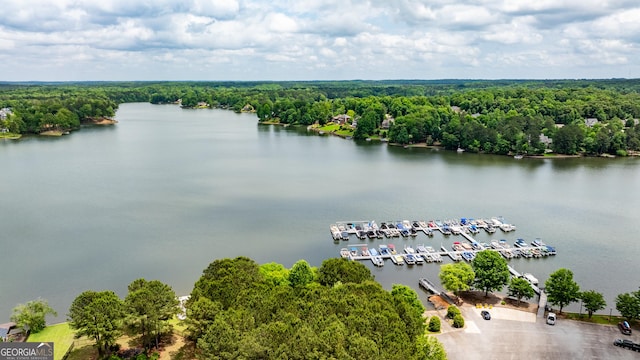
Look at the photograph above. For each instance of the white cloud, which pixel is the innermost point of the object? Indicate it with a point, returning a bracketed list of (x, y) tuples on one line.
[(216, 8), (621, 24), (317, 39), (281, 23), (467, 15), (518, 31)]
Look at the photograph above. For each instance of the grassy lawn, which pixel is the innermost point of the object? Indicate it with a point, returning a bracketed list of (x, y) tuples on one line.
[(10, 136), (60, 334), (596, 319), (329, 127)]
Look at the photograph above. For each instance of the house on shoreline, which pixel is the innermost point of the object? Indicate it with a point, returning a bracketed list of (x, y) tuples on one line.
[(341, 119), (10, 332)]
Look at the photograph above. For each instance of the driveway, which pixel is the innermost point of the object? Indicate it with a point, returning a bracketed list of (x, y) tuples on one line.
[(513, 334)]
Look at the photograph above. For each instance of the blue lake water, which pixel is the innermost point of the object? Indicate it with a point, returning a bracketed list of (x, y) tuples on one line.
[(167, 191)]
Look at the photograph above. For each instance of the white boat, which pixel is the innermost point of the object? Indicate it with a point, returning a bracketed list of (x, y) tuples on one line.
[(409, 250), (433, 254), (344, 252), (507, 227), (530, 278), (410, 259), (335, 232), (538, 242), (377, 260)]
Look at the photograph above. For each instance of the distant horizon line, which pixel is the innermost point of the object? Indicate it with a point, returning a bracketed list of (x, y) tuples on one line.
[(310, 81)]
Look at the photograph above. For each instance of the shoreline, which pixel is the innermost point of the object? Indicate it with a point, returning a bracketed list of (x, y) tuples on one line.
[(99, 121)]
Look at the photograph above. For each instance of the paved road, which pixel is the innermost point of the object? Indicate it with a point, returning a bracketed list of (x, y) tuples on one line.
[(513, 334)]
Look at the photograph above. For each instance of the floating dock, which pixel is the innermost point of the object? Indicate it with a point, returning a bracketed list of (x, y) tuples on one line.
[(461, 228)]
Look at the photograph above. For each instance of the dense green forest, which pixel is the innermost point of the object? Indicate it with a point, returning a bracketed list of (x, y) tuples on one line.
[(239, 309), (590, 117)]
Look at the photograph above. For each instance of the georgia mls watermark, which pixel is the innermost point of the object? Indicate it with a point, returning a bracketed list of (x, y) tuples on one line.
[(26, 351)]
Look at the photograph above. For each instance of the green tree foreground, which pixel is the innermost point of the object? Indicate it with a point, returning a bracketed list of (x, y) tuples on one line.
[(520, 288), (241, 310), (32, 315), (491, 271), (628, 305), (561, 289), (593, 301), (341, 313), (456, 277), (98, 316)]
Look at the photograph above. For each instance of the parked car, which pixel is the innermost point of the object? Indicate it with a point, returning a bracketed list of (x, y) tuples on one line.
[(485, 314), (627, 344), (551, 318), (624, 327)]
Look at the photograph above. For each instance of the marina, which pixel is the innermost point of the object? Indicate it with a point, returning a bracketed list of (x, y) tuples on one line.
[(460, 250)]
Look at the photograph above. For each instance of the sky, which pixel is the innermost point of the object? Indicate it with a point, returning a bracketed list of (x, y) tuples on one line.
[(114, 40)]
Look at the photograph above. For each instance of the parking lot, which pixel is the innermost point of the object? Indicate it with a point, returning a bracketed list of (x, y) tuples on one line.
[(513, 334)]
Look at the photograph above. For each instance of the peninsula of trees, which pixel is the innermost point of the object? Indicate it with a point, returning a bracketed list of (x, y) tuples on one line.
[(591, 117), (239, 309)]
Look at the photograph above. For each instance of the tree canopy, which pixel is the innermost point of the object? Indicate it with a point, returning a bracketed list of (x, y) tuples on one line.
[(593, 301), (149, 305), (502, 117), (520, 288), (561, 289), (628, 305), (457, 277), (342, 313), (32, 315), (98, 316), (335, 270), (491, 271)]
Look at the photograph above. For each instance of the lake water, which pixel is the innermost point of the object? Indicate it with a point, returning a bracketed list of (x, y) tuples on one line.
[(167, 191)]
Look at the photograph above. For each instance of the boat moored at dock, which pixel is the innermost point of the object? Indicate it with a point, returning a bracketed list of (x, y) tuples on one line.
[(465, 249), (377, 260), (397, 259), (530, 278)]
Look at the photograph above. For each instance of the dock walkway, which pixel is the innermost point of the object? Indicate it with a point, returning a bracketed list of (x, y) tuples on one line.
[(515, 273), (362, 226), (431, 287)]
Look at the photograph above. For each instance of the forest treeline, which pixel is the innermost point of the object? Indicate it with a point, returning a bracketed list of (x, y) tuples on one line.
[(591, 117)]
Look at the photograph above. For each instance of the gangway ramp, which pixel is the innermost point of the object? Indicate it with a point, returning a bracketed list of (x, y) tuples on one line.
[(432, 288)]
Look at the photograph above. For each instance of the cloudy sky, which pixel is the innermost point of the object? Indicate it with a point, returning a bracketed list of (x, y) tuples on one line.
[(59, 40)]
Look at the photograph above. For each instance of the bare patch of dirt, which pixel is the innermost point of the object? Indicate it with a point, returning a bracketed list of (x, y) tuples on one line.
[(99, 121), (438, 302)]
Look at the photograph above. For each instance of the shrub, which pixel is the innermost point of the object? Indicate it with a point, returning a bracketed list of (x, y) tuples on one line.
[(434, 324), (503, 302), (621, 152), (452, 311), (458, 321)]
